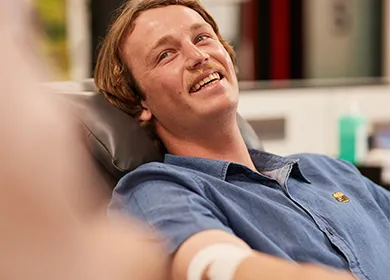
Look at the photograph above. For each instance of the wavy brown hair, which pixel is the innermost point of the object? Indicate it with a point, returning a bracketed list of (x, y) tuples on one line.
[(113, 77)]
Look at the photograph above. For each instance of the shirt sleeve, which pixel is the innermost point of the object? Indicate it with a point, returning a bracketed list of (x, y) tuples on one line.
[(176, 208)]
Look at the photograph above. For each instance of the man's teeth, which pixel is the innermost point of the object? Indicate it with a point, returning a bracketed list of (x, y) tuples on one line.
[(211, 77)]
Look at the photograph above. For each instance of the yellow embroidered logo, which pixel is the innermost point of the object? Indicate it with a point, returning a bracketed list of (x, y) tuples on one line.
[(340, 197)]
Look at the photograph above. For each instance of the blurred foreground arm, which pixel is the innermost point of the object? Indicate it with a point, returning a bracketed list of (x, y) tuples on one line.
[(46, 231)]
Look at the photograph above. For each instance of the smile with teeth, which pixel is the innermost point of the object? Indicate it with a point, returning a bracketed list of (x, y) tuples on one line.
[(212, 78)]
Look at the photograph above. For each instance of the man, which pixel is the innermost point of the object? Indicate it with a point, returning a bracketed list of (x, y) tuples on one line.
[(225, 210)]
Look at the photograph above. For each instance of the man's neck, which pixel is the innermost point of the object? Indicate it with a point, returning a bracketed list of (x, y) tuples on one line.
[(226, 143)]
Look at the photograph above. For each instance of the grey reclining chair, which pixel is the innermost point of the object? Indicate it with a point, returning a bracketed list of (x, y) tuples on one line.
[(116, 141)]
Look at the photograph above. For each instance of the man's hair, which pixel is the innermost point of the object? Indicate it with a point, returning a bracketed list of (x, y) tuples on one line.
[(113, 76)]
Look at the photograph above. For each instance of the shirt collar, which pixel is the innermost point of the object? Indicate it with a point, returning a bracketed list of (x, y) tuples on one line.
[(218, 168), (267, 162)]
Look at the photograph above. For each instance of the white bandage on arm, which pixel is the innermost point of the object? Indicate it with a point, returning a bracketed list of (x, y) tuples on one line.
[(221, 260)]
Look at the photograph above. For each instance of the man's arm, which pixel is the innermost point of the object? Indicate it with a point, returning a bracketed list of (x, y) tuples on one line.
[(256, 266)]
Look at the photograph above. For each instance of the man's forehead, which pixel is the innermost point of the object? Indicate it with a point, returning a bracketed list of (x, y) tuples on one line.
[(160, 20), (153, 25)]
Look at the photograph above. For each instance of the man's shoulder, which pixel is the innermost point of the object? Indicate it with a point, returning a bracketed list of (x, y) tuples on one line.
[(153, 184), (312, 157), (324, 163), (156, 173), (150, 168), (153, 166)]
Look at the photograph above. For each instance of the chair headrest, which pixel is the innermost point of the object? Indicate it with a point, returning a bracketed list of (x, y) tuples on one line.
[(116, 140)]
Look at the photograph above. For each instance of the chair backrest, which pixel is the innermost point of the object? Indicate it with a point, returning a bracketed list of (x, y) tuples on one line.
[(116, 141)]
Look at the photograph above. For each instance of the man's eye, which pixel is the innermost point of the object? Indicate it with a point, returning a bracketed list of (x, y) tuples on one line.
[(162, 56), (201, 38)]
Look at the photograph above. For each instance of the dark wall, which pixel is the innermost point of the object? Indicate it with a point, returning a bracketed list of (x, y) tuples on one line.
[(102, 15)]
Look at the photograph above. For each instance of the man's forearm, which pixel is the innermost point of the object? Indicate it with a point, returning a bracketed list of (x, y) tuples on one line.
[(211, 255), (265, 267)]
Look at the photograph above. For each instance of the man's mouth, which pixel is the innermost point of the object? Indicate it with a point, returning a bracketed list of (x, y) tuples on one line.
[(210, 79)]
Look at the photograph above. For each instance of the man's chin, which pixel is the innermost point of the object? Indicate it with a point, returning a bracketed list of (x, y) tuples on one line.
[(222, 111)]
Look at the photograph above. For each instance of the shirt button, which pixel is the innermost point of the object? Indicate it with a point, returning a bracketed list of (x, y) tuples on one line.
[(340, 197)]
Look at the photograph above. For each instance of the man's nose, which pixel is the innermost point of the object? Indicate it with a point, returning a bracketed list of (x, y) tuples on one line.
[(195, 56)]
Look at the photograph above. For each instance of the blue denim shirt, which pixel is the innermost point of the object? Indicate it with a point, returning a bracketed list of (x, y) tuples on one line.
[(306, 208)]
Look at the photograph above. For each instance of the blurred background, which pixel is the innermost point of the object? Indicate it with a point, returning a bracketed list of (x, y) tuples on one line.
[(309, 41), (303, 65)]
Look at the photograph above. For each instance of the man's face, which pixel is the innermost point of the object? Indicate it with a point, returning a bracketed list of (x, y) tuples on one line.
[(186, 74)]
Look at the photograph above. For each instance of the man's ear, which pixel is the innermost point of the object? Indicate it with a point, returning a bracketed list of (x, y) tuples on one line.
[(146, 114)]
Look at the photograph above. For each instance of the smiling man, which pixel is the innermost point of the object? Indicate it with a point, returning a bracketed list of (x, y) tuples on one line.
[(229, 212), (191, 85)]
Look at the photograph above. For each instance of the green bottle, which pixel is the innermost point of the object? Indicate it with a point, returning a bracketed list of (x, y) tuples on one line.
[(353, 137)]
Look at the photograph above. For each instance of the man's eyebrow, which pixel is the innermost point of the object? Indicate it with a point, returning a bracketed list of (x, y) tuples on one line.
[(169, 38), (162, 41), (197, 26)]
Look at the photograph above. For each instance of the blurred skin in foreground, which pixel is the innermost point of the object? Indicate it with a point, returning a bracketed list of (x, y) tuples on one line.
[(52, 203)]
